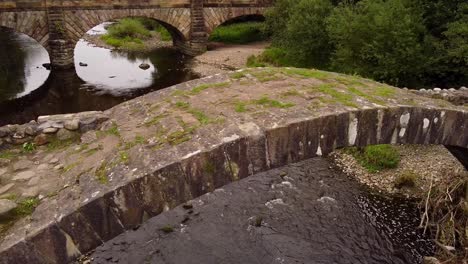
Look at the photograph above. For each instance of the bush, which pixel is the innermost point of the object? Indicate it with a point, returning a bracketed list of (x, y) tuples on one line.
[(271, 57), (129, 33), (128, 27), (380, 39), (401, 42), (406, 179), (376, 158), (239, 33)]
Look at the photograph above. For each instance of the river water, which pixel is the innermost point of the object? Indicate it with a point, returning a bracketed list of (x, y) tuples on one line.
[(301, 213), (28, 90)]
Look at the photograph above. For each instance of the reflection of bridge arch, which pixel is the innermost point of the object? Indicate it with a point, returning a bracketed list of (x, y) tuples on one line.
[(31, 23)]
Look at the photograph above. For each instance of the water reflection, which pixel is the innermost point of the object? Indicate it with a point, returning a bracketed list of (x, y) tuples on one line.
[(109, 79), (21, 60)]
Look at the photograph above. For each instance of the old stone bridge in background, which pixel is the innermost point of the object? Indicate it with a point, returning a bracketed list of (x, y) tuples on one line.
[(59, 24)]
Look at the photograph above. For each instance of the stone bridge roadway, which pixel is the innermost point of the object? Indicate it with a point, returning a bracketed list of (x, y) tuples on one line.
[(170, 146), (59, 24)]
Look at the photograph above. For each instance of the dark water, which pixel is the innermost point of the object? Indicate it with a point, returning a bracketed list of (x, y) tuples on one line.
[(311, 214), (28, 90)]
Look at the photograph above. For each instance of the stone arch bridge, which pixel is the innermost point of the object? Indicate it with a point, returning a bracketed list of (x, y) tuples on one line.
[(59, 24), (173, 145)]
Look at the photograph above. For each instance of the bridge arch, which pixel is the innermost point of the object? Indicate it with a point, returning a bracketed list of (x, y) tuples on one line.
[(31, 23), (214, 17), (170, 175), (176, 21)]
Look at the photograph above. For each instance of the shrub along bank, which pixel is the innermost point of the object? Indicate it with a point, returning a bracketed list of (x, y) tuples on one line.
[(409, 43)]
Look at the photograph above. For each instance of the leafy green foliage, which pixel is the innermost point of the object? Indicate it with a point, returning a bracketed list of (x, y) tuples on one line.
[(401, 42), (239, 33), (29, 147), (129, 33)]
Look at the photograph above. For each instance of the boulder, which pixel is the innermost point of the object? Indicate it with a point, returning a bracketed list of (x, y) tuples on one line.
[(24, 176), (72, 125), (50, 130), (41, 139), (144, 66), (6, 188), (6, 207), (48, 66), (65, 134)]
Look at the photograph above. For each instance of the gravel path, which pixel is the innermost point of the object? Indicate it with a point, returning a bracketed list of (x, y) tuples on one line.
[(223, 57)]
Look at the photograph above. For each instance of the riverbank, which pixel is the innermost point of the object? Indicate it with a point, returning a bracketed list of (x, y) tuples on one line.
[(221, 58), (147, 45), (422, 164)]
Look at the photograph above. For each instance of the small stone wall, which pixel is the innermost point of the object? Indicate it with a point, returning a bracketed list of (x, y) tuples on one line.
[(62, 127), (456, 97)]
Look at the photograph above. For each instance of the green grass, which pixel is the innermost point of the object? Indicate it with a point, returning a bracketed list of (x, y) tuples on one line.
[(340, 97), (113, 130), (200, 116), (366, 96), (241, 107), (406, 179), (203, 87), (239, 33), (377, 157), (307, 73), (101, 174), (237, 75), (7, 154), (167, 229), (130, 33), (154, 120), (29, 147), (124, 157), (265, 101), (25, 207), (384, 91), (56, 144), (272, 56), (182, 105)]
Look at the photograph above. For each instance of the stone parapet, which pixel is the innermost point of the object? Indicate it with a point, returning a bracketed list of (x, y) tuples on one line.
[(45, 128)]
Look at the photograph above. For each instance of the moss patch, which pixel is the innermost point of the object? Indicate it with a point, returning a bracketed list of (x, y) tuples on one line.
[(337, 96), (377, 157), (101, 173)]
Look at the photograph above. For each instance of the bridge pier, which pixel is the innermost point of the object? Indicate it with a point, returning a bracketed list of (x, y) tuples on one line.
[(61, 49)]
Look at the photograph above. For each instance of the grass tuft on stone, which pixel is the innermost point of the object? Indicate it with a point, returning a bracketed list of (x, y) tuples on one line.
[(406, 179), (167, 229), (337, 96), (265, 101), (101, 173), (376, 158)]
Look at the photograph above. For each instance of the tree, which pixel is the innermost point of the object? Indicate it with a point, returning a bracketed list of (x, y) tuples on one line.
[(384, 40)]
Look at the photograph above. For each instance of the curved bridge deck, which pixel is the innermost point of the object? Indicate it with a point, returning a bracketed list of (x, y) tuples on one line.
[(173, 145)]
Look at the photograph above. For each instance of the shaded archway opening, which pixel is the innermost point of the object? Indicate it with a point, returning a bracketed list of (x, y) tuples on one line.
[(238, 30), (24, 64)]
